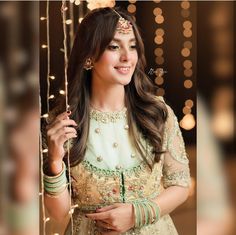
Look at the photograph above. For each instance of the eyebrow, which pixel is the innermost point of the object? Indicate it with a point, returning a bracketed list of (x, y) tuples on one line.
[(118, 40)]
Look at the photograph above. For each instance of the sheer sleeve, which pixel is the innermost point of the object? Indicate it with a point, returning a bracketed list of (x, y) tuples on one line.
[(175, 161)]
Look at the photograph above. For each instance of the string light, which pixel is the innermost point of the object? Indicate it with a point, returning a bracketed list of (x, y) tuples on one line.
[(45, 150), (51, 97), (80, 19), (47, 219), (188, 121), (44, 46), (43, 18), (66, 102), (45, 115), (62, 92), (69, 21), (52, 77)]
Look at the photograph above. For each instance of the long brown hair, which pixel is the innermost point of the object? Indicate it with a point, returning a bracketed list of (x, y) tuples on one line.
[(148, 114)]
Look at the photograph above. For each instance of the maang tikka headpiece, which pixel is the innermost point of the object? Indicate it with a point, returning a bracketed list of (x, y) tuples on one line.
[(124, 26)]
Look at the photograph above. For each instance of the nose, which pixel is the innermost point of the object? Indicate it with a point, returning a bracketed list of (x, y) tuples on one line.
[(125, 55)]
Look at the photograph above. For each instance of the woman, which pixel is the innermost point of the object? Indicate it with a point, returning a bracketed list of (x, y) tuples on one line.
[(128, 163)]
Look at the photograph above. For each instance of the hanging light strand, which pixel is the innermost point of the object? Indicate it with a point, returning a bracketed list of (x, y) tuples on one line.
[(48, 57), (63, 13)]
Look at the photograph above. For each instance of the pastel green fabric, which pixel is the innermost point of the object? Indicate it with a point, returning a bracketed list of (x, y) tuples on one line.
[(112, 171)]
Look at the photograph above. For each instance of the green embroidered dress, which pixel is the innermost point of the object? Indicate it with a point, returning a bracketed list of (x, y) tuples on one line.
[(112, 171)]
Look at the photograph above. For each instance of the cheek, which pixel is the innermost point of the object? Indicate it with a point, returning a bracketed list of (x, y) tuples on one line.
[(135, 58), (108, 58)]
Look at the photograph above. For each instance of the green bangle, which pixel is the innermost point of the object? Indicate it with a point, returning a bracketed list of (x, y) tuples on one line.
[(156, 210), (54, 185), (145, 208)]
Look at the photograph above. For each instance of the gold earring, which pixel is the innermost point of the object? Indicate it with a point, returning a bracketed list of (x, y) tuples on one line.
[(88, 64)]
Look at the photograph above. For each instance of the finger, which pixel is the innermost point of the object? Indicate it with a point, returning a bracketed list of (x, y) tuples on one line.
[(106, 208), (99, 216), (58, 125), (63, 115), (66, 130), (60, 134), (105, 225), (62, 139)]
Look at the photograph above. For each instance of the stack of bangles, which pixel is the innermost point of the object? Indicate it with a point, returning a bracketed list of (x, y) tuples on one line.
[(54, 185), (146, 212)]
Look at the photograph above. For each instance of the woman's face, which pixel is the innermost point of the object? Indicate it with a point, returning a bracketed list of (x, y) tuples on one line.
[(117, 64)]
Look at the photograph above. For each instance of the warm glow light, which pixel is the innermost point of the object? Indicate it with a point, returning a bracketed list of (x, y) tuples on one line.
[(188, 122), (187, 64), (187, 33), (188, 84), (80, 19), (185, 5), (189, 103), (158, 52), (158, 40), (159, 60), (188, 72), (223, 124), (45, 115), (51, 97), (185, 13), (188, 44), (186, 110), (185, 52), (52, 77), (157, 11), (187, 24), (69, 21), (43, 18), (62, 92), (160, 92), (159, 80), (77, 2), (44, 46), (159, 19), (160, 32), (131, 8), (45, 151)]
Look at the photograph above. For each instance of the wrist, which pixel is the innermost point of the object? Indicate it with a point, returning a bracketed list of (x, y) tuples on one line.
[(55, 167)]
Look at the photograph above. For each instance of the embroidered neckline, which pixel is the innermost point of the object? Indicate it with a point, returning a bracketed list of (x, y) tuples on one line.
[(106, 117)]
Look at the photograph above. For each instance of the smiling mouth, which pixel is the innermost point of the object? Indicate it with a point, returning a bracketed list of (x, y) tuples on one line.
[(123, 69)]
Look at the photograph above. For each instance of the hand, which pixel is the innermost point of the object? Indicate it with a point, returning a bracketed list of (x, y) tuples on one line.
[(58, 133), (116, 218)]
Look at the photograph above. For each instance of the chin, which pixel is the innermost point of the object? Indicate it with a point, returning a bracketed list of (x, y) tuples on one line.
[(126, 81)]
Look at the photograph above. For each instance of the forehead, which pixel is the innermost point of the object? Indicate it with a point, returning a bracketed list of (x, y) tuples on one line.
[(120, 37)]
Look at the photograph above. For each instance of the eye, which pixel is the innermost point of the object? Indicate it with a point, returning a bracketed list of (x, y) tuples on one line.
[(113, 47), (133, 46)]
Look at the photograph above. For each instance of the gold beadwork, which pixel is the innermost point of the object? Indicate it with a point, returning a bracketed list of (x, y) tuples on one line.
[(115, 145), (133, 155), (99, 159), (106, 117), (123, 26), (118, 167), (97, 130)]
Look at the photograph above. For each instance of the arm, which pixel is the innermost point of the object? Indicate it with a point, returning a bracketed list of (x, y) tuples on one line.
[(176, 177), (58, 133)]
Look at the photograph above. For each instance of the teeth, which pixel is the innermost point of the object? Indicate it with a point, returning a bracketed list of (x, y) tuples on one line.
[(123, 69)]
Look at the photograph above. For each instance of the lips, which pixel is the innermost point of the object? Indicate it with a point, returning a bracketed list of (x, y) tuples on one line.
[(123, 69)]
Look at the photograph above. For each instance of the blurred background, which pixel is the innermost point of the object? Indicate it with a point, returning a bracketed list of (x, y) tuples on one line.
[(190, 49)]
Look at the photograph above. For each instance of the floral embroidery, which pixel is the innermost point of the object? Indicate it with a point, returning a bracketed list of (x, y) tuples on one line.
[(106, 117), (181, 178)]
